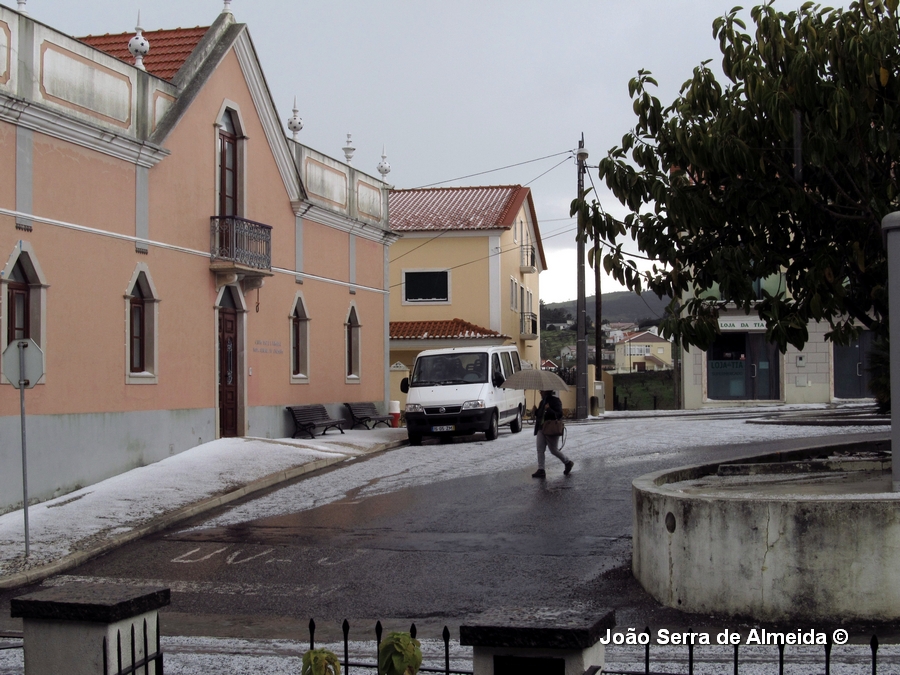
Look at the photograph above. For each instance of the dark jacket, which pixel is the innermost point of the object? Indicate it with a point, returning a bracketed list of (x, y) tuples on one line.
[(551, 408)]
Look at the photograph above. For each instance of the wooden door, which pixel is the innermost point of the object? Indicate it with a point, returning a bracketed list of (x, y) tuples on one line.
[(228, 373)]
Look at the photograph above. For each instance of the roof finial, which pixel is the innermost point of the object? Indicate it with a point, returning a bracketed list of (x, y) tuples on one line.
[(22, 9), (383, 167), (295, 124), (349, 150), (227, 8), (138, 45)]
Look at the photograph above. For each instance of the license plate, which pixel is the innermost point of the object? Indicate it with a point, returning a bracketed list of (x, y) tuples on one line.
[(446, 427)]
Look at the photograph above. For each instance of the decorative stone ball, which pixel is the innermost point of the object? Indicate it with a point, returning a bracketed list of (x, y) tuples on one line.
[(138, 46), (295, 124), (384, 168)]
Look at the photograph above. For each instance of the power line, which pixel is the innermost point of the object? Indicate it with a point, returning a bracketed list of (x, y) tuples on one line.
[(548, 171), (510, 166)]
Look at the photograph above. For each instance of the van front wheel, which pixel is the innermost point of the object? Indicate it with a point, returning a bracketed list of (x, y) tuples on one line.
[(516, 425), (494, 430)]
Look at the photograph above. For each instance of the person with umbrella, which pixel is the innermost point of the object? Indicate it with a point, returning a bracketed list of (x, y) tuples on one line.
[(550, 408)]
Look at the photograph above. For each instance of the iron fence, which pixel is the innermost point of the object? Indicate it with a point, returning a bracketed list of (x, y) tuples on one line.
[(379, 630), (242, 241), (134, 664), (735, 660)]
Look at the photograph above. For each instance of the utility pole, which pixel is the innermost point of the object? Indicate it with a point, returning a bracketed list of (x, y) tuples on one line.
[(581, 400), (598, 306)]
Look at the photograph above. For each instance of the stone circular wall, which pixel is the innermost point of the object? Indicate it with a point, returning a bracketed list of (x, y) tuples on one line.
[(792, 553)]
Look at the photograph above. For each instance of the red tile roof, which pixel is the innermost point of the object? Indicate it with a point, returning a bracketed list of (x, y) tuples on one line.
[(169, 49), (456, 208), (439, 330)]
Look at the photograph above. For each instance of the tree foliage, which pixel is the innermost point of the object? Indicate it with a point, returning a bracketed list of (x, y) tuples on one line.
[(717, 200)]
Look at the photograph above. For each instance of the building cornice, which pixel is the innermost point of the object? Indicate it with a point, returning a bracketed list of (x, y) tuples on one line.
[(359, 228), (46, 121)]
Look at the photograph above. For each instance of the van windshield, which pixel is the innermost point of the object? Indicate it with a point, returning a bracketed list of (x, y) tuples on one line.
[(443, 369)]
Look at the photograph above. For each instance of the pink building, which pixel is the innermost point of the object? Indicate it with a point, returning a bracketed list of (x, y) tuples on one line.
[(187, 268)]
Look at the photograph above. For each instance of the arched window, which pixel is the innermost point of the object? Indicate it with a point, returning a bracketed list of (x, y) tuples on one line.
[(18, 322), (352, 340), (299, 343), (141, 314), (229, 170), (138, 330), (23, 294)]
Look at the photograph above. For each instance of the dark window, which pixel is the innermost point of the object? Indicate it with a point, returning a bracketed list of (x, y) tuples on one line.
[(138, 330), (299, 356), (352, 338), (426, 286), (18, 320), (228, 167)]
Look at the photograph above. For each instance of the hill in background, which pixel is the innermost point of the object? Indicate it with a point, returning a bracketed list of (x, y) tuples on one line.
[(620, 306)]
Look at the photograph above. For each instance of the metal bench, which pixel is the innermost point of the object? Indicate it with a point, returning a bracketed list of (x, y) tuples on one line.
[(308, 418), (366, 413)]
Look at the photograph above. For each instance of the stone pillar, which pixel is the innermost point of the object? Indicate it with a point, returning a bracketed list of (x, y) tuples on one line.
[(64, 627), (544, 642), (890, 226)]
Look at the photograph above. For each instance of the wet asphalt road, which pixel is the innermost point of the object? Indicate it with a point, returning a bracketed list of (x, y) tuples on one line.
[(436, 553)]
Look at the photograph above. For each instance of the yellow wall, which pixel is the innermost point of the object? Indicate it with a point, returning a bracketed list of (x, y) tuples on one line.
[(464, 256)]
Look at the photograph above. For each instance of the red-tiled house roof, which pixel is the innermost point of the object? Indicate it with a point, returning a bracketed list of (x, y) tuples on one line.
[(169, 49), (456, 208), (488, 207), (440, 330)]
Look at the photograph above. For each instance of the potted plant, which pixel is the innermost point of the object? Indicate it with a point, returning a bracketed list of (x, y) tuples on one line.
[(399, 654), (320, 662)]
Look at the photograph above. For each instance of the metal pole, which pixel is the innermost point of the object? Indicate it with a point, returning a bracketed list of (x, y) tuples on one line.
[(890, 226), (581, 344), (598, 307), (22, 382)]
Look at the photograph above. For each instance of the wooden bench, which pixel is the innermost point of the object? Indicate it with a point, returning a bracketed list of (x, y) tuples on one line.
[(364, 413), (308, 418)]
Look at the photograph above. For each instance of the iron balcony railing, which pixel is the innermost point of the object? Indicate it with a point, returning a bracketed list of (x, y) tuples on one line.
[(241, 241), (527, 258), (529, 324)]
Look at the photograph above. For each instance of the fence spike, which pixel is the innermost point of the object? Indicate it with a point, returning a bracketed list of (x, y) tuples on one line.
[(446, 635), (691, 658), (412, 631), (780, 659), (119, 650), (105, 663), (146, 650), (345, 629), (828, 647), (735, 660), (647, 653), (378, 631), (874, 645), (312, 634)]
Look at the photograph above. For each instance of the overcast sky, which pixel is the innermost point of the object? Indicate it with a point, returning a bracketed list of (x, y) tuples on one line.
[(454, 88)]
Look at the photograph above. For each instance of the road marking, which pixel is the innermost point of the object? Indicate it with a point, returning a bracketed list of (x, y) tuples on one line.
[(232, 559), (182, 558)]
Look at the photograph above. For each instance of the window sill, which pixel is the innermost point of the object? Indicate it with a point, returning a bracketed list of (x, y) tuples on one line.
[(299, 379), (141, 378), (352, 379)]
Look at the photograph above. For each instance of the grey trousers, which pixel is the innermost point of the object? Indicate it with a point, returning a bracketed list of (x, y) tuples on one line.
[(551, 442)]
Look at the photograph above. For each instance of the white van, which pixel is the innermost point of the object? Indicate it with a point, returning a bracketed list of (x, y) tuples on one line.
[(455, 392)]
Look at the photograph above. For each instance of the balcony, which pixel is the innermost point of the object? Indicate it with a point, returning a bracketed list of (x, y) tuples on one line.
[(240, 248), (528, 326), (527, 259)]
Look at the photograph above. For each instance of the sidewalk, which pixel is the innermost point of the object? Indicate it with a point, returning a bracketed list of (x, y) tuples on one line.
[(67, 531)]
